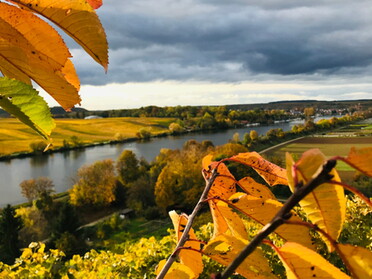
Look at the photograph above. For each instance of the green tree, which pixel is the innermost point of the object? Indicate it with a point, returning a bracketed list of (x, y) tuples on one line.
[(96, 185), (66, 220), (140, 194), (9, 228)]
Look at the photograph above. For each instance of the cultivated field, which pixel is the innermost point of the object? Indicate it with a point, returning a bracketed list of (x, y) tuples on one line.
[(329, 145), (16, 137)]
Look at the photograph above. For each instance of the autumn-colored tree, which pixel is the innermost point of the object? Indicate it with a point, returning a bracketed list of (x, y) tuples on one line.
[(32, 50), (35, 225), (33, 188), (179, 182), (175, 128), (95, 186), (236, 138), (127, 167), (253, 135), (309, 112)]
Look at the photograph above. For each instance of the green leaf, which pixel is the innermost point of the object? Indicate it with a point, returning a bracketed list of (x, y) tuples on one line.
[(24, 102)]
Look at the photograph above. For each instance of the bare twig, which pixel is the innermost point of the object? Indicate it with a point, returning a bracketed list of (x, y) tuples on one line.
[(186, 231), (320, 177)]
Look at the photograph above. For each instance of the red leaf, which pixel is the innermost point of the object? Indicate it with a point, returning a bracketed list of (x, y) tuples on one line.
[(95, 3)]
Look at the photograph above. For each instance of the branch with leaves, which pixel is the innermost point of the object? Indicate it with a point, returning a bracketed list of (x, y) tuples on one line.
[(31, 50), (316, 187)]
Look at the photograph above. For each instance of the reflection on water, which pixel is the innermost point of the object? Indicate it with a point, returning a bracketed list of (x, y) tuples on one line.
[(39, 160)]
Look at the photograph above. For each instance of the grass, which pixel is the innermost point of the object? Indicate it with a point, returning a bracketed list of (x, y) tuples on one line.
[(330, 146), (16, 137)]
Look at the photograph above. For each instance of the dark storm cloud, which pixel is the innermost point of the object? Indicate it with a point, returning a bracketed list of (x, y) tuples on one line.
[(232, 41)]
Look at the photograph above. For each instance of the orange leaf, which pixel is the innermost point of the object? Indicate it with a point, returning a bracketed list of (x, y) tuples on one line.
[(361, 159), (207, 161), (358, 260), (251, 187), (303, 263), (224, 250), (189, 258), (224, 184), (223, 187), (78, 19), (95, 3), (17, 51), (272, 173), (263, 210), (325, 206), (11, 71), (37, 32)]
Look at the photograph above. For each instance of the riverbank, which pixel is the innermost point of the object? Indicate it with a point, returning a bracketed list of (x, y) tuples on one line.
[(17, 140)]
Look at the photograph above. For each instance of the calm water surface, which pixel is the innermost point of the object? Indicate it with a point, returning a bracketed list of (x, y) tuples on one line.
[(62, 167)]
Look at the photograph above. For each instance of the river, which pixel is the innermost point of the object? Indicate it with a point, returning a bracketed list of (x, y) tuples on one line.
[(62, 167)]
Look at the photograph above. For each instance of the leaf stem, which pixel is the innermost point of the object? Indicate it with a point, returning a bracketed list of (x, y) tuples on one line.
[(320, 177), (187, 229)]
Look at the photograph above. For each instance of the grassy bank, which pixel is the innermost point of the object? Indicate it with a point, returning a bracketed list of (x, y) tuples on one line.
[(330, 146), (16, 137)]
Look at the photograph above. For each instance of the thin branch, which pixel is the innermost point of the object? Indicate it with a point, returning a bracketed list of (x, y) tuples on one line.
[(187, 229), (320, 177), (353, 190)]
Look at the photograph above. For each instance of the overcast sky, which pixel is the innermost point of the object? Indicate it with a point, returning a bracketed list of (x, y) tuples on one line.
[(214, 52)]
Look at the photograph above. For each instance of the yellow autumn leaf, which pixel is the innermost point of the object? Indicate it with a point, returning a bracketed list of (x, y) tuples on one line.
[(270, 172), (176, 271), (219, 224), (225, 248), (357, 259), (78, 19), (303, 263), (361, 159), (189, 258), (325, 206), (263, 210), (234, 224), (253, 188)]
